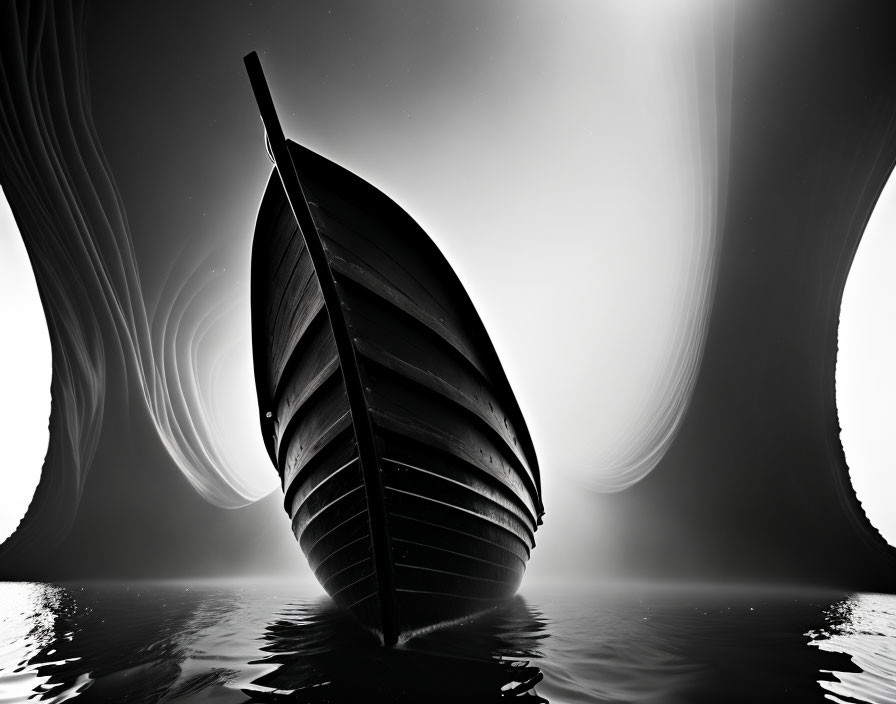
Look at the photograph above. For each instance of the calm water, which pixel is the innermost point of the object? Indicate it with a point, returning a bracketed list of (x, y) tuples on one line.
[(270, 643)]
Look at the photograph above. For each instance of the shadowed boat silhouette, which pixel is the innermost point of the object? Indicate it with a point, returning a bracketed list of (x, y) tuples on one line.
[(407, 468), (319, 654)]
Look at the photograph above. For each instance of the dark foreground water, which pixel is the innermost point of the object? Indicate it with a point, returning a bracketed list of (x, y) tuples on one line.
[(627, 643)]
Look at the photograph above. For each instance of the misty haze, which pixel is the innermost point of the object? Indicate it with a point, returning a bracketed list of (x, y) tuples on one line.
[(421, 352)]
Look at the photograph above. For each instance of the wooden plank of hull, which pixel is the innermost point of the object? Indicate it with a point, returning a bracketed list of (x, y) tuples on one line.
[(330, 571), (415, 352), (336, 544), (487, 544), (368, 232), (460, 443), (413, 554), (302, 477), (407, 469), (322, 418), (468, 496), (427, 515), (291, 297), (313, 363), (404, 456)]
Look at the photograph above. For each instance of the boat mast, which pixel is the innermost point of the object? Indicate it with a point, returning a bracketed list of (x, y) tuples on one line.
[(348, 361)]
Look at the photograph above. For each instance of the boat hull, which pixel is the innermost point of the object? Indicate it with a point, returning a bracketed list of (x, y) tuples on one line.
[(438, 520)]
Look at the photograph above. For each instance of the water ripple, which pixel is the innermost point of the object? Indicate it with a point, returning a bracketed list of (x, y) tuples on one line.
[(282, 643), (862, 626)]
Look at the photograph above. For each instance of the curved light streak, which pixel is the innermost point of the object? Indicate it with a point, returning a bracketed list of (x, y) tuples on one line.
[(75, 229), (701, 72), (865, 373)]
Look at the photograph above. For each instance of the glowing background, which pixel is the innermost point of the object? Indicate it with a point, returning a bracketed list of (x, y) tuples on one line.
[(866, 376), (606, 179), (26, 367), (585, 236)]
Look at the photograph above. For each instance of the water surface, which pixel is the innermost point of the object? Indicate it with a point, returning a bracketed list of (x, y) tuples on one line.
[(273, 642)]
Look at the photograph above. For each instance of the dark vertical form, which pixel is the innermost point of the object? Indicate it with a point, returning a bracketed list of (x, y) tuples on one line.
[(756, 485), (348, 361), (54, 177)]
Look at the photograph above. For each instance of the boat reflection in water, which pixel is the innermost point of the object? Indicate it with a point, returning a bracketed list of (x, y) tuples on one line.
[(159, 643), (323, 655)]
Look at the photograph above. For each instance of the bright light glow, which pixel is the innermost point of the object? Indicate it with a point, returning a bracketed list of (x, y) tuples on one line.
[(866, 373), (26, 369), (596, 291)]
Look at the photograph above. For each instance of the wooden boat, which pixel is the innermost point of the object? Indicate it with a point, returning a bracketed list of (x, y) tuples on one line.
[(406, 465)]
